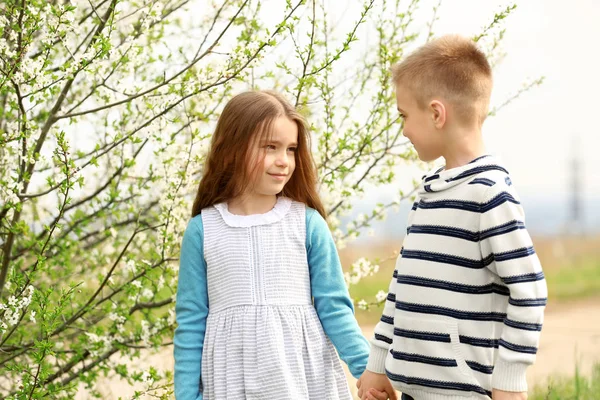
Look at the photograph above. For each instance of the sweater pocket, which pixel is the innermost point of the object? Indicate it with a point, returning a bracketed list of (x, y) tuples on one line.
[(427, 353)]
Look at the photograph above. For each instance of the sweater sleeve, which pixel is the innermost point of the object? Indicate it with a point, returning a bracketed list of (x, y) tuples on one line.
[(191, 310), (330, 294), (384, 330), (505, 241)]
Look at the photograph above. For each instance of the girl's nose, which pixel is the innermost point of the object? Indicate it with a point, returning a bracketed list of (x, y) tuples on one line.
[(282, 160)]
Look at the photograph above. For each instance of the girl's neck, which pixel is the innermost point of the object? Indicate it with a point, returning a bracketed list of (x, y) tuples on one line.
[(252, 204)]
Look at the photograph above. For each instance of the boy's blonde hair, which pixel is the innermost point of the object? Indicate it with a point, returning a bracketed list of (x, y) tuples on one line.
[(451, 67)]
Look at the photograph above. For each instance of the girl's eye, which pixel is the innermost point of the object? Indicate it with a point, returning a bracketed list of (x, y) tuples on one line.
[(270, 147), (292, 149)]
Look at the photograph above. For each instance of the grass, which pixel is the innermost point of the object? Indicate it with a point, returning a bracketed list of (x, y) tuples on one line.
[(575, 281), (577, 387)]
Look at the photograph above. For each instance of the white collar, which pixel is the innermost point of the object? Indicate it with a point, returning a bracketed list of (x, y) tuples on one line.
[(282, 206)]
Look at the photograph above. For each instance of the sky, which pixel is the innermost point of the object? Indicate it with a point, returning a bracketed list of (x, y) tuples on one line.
[(537, 135)]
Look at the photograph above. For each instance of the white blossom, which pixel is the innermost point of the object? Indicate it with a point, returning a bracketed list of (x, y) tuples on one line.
[(171, 317), (146, 377), (145, 335), (363, 305), (131, 267), (161, 283), (147, 293)]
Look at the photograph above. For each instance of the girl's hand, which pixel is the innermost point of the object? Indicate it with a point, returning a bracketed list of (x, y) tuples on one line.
[(374, 384)]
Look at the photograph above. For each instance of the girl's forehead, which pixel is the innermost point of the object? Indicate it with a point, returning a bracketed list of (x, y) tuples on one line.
[(282, 129), (285, 128)]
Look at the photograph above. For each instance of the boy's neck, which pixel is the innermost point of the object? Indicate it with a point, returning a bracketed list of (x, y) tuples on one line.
[(463, 146), (252, 204)]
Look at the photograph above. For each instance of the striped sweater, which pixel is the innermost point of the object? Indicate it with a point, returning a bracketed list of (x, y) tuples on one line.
[(465, 306)]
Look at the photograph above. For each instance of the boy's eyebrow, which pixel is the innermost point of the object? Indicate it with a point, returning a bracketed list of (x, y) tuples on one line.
[(400, 110)]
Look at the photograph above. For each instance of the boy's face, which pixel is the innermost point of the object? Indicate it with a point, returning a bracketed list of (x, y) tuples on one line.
[(419, 126)]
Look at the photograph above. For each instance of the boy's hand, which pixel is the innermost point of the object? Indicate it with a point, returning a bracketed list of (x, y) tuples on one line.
[(379, 382), (502, 395), (374, 394)]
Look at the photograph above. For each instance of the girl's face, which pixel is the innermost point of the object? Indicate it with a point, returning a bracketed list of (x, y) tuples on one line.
[(275, 169)]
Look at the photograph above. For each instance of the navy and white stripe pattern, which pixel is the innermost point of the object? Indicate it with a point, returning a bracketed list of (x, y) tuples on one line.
[(465, 305), (482, 181)]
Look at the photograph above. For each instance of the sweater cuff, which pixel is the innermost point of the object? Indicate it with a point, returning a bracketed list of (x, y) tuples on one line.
[(377, 358), (509, 377)]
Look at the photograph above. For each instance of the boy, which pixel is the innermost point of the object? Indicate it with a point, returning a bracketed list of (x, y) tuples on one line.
[(465, 306)]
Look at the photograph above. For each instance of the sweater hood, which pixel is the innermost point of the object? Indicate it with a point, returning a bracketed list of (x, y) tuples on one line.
[(443, 179)]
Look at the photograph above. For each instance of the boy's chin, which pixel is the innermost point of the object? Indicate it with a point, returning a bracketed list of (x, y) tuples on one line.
[(427, 157)]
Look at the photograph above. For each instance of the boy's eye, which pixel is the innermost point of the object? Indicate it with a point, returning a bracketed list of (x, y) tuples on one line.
[(402, 116)]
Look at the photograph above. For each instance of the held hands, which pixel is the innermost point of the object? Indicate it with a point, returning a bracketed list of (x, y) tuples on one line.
[(502, 395), (372, 386)]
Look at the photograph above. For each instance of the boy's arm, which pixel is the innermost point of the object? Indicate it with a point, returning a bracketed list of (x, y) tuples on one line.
[(191, 310), (384, 330), (331, 297), (505, 239)]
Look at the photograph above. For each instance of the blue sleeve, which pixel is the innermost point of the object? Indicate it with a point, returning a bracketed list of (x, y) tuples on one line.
[(191, 310), (331, 298)]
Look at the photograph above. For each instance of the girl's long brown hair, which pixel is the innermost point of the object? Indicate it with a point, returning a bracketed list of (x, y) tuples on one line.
[(246, 119)]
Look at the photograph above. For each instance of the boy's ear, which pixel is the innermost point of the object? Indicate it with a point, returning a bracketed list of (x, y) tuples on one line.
[(438, 113)]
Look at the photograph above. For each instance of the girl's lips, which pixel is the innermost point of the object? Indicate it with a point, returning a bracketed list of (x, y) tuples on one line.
[(279, 177)]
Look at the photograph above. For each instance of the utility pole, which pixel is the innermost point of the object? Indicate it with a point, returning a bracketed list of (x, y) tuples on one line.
[(576, 214)]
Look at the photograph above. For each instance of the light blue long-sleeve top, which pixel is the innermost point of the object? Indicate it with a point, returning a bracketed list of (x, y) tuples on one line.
[(330, 294)]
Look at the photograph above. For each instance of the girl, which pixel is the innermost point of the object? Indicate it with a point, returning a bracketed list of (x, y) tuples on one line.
[(255, 255)]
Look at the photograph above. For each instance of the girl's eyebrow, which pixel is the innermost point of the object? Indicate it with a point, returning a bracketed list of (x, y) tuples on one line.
[(279, 142)]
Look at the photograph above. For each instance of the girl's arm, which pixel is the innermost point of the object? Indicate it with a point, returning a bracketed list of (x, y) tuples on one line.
[(191, 311), (331, 297)]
